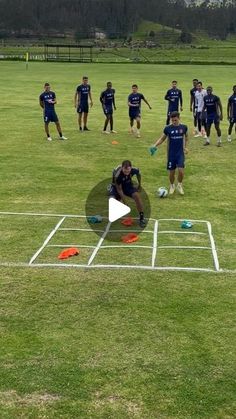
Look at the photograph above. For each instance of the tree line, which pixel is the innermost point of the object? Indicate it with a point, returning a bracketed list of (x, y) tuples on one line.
[(115, 17)]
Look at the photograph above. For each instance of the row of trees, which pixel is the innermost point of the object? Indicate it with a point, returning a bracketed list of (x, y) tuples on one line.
[(113, 16)]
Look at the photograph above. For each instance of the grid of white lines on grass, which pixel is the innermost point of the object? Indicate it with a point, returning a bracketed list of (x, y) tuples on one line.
[(99, 246)]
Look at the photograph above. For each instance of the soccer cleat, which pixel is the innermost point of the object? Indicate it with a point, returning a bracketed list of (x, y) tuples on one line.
[(113, 131), (180, 189), (49, 138), (198, 134), (229, 139), (142, 222), (219, 144), (207, 142), (86, 129), (106, 132), (172, 189), (138, 134), (62, 138)]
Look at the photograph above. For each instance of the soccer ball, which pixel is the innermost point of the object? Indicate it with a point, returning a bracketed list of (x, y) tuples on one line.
[(162, 192)]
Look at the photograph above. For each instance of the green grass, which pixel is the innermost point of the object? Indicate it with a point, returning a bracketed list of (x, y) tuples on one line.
[(109, 343)]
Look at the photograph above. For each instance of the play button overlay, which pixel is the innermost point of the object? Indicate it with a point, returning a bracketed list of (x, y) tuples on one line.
[(101, 207), (117, 210)]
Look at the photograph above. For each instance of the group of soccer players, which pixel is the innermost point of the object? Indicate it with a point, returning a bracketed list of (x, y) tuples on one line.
[(205, 106)]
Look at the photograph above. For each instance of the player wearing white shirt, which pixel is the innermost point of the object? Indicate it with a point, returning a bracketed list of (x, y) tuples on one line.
[(199, 103)]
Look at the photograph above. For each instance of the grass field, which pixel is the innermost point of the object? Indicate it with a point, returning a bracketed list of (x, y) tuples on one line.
[(80, 343)]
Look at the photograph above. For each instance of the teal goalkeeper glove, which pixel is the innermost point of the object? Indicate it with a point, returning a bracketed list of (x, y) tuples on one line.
[(152, 150)]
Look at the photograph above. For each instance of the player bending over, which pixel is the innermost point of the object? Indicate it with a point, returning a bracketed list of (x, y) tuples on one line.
[(107, 99), (214, 114), (47, 101), (122, 186), (134, 104), (231, 112), (177, 137), (83, 92)]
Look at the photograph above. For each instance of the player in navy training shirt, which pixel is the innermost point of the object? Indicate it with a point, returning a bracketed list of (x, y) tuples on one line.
[(47, 100), (177, 135), (107, 99), (231, 112), (214, 114), (82, 93), (174, 97), (134, 104), (193, 104), (123, 186)]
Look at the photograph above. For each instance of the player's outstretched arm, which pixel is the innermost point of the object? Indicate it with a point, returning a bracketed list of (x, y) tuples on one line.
[(145, 100), (158, 142)]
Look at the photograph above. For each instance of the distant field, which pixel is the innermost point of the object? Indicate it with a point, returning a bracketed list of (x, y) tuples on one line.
[(112, 343)]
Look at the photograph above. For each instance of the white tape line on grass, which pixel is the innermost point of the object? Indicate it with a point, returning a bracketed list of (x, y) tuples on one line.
[(154, 251), (46, 241), (99, 244), (185, 247), (127, 246), (181, 232), (71, 245), (213, 247)]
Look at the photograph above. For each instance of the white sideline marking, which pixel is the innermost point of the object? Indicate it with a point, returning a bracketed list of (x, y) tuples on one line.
[(213, 247), (181, 232), (127, 246), (156, 268), (71, 245), (46, 241), (102, 231), (154, 251), (184, 247), (99, 243)]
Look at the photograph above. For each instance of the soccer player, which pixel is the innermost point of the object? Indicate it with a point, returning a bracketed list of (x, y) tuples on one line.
[(214, 113), (177, 135), (175, 98), (193, 104), (231, 112), (82, 93), (199, 106), (134, 104), (122, 186), (107, 99), (47, 101)]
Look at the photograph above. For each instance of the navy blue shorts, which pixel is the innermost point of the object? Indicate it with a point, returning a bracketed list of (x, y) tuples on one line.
[(175, 161), (50, 117), (108, 110), (128, 191), (134, 113), (210, 119), (83, 108)]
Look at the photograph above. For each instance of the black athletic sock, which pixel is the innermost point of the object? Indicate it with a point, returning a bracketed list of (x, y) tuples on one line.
[(141, 215), (60, 133)]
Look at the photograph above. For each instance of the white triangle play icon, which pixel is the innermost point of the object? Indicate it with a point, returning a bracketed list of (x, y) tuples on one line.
[(117, 210)]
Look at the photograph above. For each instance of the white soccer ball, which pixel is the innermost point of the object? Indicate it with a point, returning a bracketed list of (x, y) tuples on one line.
[(162, 192)]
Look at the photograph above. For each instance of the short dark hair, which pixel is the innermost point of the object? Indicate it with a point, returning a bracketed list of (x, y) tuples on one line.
[(134, 85), (46, 84), (199, 82), (109, 82), (126, 163), (174, 81), (234, 87), (85, 77), (209, 88), (175, 114), (195, 80)]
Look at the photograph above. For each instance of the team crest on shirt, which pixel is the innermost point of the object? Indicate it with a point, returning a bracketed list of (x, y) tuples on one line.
[(181, 131)]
